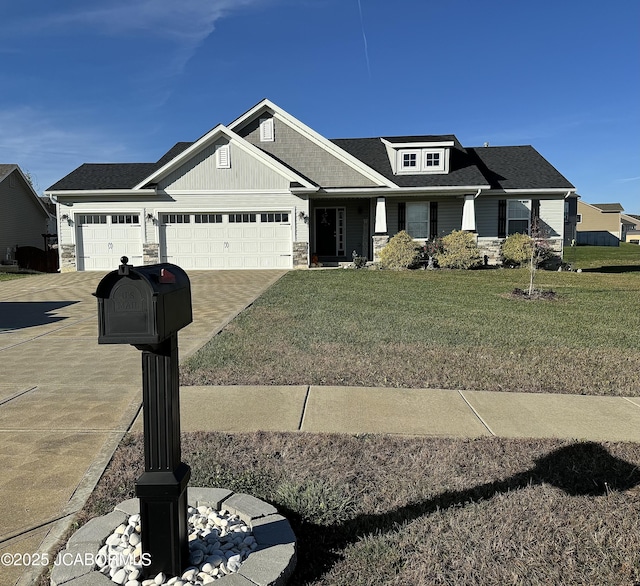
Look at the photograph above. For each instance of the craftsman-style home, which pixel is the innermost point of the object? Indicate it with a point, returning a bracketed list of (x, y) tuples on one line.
[(267, 191)]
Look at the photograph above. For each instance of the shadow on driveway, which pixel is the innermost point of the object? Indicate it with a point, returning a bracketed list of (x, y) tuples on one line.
[(15, 315)]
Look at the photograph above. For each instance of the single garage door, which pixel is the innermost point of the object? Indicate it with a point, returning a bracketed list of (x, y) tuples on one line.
[(102, 239), (260, 240)]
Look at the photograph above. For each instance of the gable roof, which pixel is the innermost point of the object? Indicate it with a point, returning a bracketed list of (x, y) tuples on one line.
[(499, 168), (185, 151), (8, 169), (267, 106)]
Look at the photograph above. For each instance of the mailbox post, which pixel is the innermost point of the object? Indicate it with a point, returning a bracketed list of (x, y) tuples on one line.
[(145, 307)]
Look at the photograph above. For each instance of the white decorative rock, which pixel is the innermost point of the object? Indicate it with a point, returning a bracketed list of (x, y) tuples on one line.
[(120, 577), (134, 539), (160, 578)]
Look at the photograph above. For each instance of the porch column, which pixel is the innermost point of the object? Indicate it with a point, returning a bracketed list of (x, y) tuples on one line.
[(469, 213), (380, 236), (381, 216)]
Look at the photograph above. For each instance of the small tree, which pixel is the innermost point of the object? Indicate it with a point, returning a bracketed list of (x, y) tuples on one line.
[(460, 251), (400, 252), (540, 251)]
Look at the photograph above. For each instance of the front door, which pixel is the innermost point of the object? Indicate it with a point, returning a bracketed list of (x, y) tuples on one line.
[(329, 228)]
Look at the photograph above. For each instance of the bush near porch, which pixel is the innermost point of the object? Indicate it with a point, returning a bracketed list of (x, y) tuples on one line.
[(442, 329)]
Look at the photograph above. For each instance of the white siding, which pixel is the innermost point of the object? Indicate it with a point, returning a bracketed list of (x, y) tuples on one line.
[(552, 217)]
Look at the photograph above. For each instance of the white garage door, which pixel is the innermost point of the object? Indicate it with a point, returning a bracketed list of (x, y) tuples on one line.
[(260, 240), (102, 239)]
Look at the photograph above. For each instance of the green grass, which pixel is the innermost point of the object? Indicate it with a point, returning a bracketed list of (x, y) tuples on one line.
[(372, 510), (605, 258), (10, 276), (443, 329)]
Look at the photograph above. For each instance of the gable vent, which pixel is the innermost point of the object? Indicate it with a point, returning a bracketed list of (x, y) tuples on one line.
[(223, 160), (266, 130)]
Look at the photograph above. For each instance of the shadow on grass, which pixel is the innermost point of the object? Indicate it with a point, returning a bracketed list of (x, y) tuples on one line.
[(614, 269), (582, 469)]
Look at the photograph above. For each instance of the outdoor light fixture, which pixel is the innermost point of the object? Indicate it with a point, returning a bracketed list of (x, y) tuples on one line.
[(151, 218), (67, 218)]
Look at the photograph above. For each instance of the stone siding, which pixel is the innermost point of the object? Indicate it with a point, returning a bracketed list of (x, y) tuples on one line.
[(68, 258), (300, 255), (150, 253), (379, 242)]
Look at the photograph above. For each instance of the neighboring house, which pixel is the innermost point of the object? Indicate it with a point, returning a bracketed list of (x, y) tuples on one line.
[(603, 224), (23, 216), (632, 234), (267, 191)]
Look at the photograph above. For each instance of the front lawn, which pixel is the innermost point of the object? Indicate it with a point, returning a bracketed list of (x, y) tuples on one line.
[(441, 329), (373, 510)]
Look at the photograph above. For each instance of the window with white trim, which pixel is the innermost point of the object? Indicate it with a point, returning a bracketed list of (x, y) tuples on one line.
[(518, 216), (267, 133), (431, 159), (425, 160), (409, 161), (223, 158), (417, 219)]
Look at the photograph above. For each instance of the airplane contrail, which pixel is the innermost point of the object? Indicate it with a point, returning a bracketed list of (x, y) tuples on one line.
[(364, 38)]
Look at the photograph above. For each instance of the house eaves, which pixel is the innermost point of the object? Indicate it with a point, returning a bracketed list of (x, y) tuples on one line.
[(334, 149)]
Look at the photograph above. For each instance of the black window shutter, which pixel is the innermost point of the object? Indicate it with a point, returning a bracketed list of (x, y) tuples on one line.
[(402, 216), (535, 213), (433, 219), (502, 218)]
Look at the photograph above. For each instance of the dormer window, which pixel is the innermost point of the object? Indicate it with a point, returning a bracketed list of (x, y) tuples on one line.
[(431, 159), (409, 161), (424, 160)]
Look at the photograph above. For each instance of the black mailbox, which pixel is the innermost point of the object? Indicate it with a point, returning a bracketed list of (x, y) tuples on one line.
[(143, 305)]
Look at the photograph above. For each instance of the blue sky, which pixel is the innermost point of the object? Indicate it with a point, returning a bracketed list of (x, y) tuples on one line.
[(123, 80)]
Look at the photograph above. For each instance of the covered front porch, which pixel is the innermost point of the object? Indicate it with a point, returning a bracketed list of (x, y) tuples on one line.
[(340, 227)]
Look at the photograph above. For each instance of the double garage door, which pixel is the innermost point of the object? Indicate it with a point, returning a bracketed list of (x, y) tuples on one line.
[(260, 240)]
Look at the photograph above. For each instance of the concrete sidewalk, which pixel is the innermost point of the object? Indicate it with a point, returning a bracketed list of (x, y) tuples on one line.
[(413, 412)]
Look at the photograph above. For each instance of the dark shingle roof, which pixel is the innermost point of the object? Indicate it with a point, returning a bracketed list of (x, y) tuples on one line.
[(517, 167), (92, 176), (510, 167), (373, 153)]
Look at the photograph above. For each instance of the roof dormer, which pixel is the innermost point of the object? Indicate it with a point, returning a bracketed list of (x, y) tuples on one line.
[(418, 157)]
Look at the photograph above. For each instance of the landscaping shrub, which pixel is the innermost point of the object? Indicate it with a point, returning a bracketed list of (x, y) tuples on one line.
[(460, 251), (400, 252), (516, 250)]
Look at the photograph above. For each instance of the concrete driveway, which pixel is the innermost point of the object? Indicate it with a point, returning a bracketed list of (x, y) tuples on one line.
[(65, 401)]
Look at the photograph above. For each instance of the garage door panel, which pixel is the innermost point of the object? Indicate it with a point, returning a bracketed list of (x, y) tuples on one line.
[(101, 245), (240, 244)]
